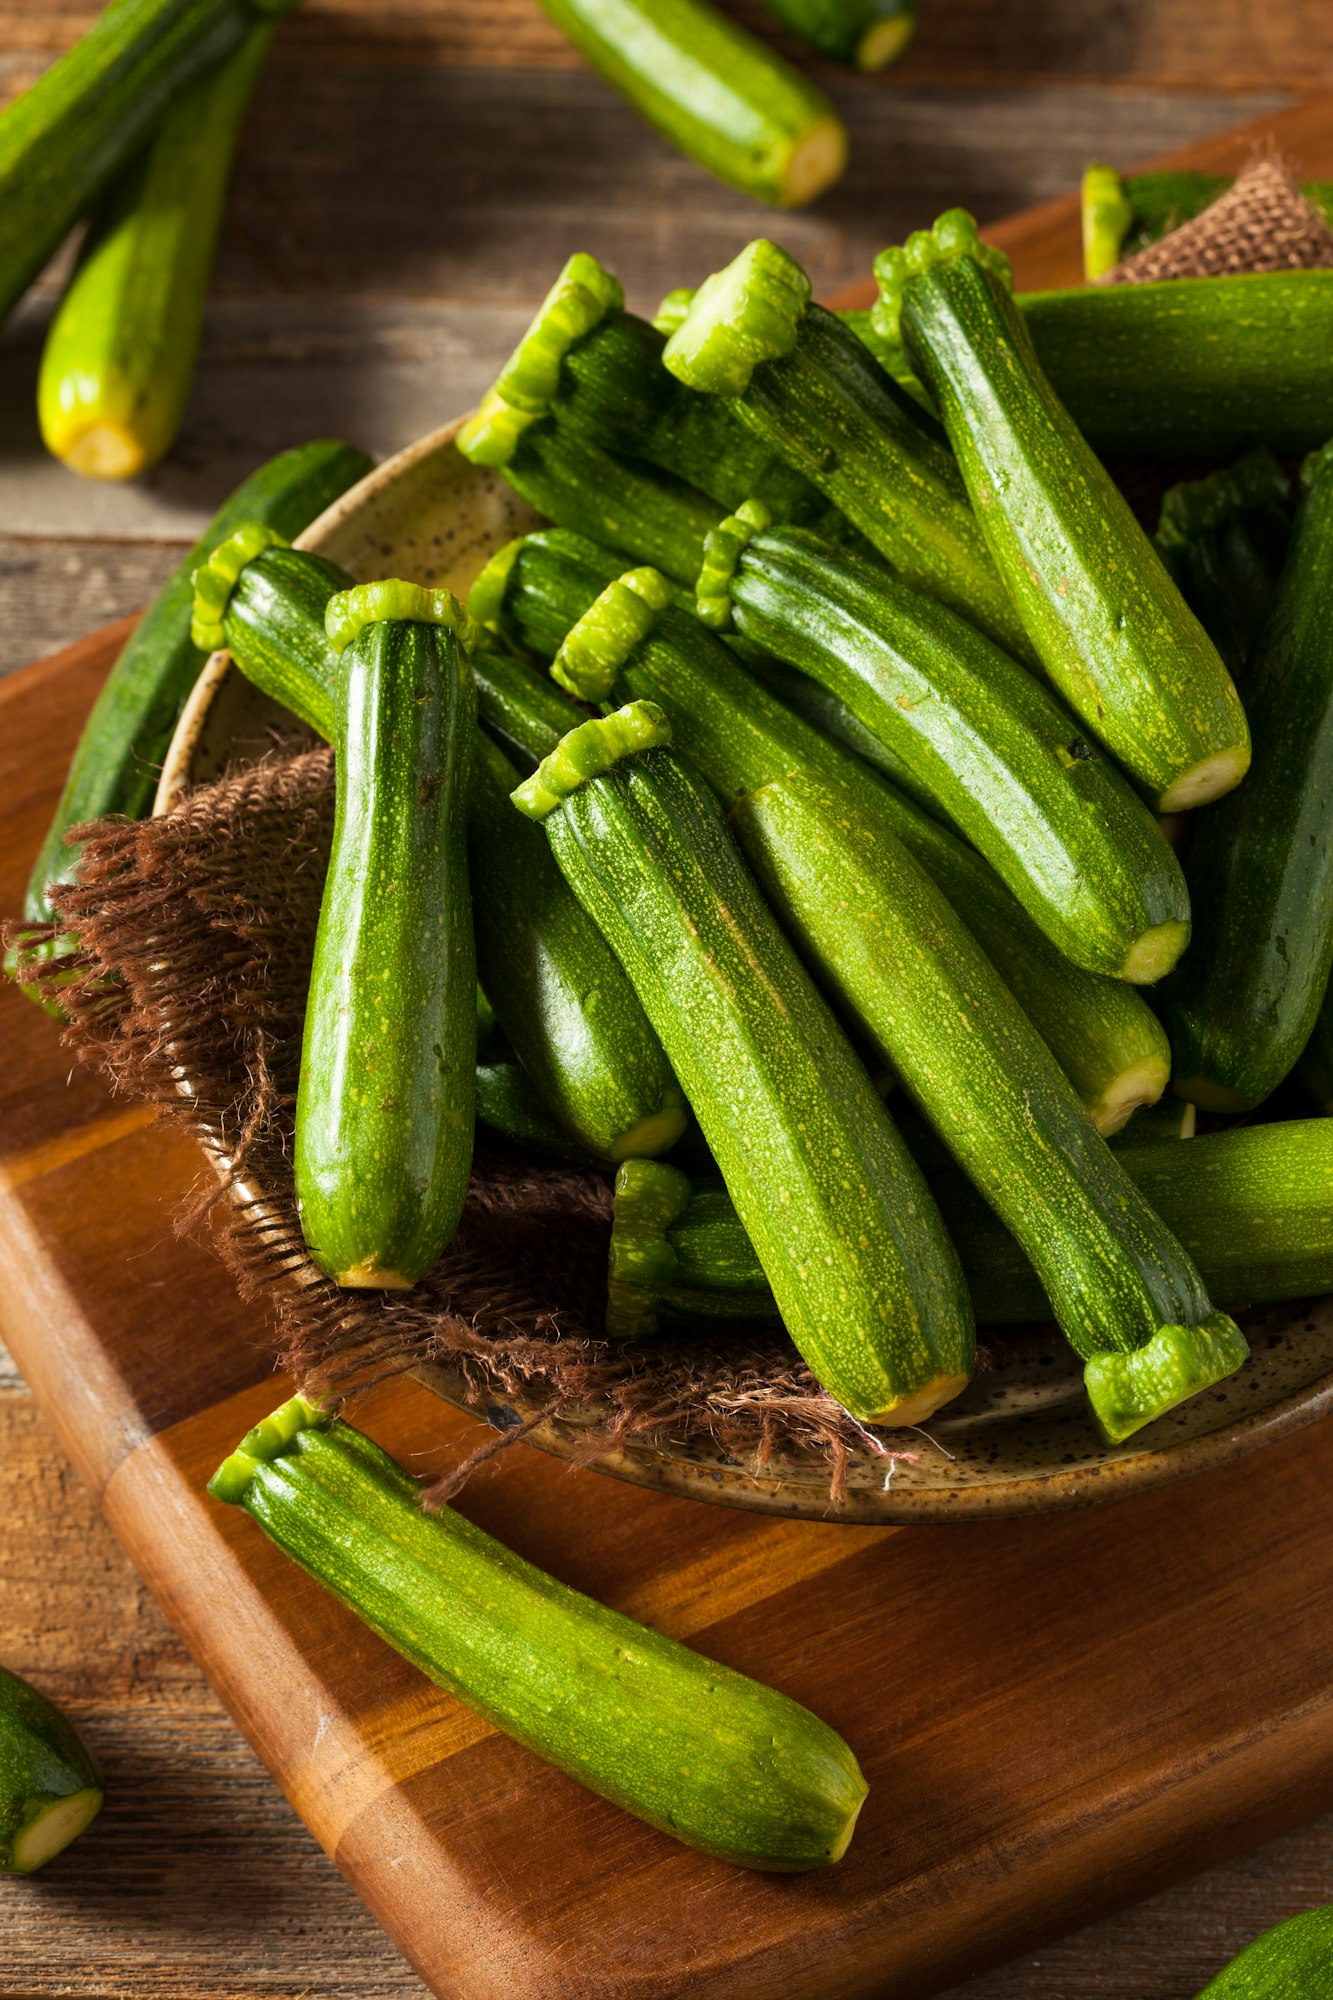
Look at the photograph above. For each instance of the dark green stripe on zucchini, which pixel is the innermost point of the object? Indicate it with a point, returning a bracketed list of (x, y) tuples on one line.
[(739, 735), (1110, 629), (1243, 1003), (1004, 761), (1200, 368), (808, 387), (698, 1750), (561, 997), (1250, 1206), (115, 766), (50, 1786), (384, 1112), (717, 93), (866, 1280)]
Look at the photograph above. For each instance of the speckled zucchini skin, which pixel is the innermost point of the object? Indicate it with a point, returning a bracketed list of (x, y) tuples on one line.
[(1008, 765), (713, 1758), (46, 1769), (1194, 368), (646, 514), (384, 1113), (1290, 1962), (838, 418), (865, 1278), (274, 627), (888, 945), (737, 732), (1244, 1000), (1110, 629), (566, 1006)]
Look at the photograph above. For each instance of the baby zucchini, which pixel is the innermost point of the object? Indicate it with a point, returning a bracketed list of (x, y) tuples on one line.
[(1243, 1003), (866, 1280), (50, 1786), (384, 1112), (1003, 760), (696, 1749), (1112, 632)]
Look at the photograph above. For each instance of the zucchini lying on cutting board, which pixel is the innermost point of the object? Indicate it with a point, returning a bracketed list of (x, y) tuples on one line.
[(696, 1749)]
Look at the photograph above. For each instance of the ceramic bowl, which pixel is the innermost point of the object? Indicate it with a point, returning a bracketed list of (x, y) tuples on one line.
[(1019, 1441)]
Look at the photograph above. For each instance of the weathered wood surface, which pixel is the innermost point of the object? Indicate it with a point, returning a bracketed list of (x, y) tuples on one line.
[(397, 209)]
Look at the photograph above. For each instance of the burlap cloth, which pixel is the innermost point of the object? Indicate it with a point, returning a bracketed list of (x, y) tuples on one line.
[(196, 933)]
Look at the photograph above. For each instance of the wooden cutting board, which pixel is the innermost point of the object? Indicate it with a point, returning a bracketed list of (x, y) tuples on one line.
[(1056, 1715)]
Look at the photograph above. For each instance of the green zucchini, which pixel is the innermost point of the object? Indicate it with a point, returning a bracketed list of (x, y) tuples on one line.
[(1243, 1003), (119, 353), (698, 1750), (94, 109), (508, 1104), (564, 1003), (644, 513), (384, 1111), (598, 370), (867, 33), (115, 766), (739, 735), (808, 387), (678, 1248), (1195, 368), (1290, 1962), (566, 1007), (1109, 627), (717, 93), (1171, 1118), (50, 1786), (1121, 216), (1224, 539), (1005, 761), (864, 1275), (1316, 1064), (1250, 1205)]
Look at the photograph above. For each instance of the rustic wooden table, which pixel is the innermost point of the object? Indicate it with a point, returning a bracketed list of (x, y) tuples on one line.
[(412, 174)]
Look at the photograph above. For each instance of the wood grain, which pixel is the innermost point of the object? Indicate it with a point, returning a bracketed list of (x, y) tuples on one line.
[(1228, 45), (1055, 1715)]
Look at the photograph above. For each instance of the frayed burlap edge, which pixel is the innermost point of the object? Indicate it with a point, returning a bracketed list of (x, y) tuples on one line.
[(187, 992)]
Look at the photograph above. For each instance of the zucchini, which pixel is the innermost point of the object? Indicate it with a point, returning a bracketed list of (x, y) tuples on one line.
[(115, 766), (698, 1750), (1290, 1962), (50, 1786), (1316, 1064), (384, 1111), (645, 514), (675, 1247), (739, 735), (1005, 762), (94, 109), (867, 33), (556, 988), (508, 1104), (119, 354), (1243, 1004), (598, 370), (808, 387), (717, 93), (1109, 627), (1224, 539), (1251, 1205), (564, 1002), (1171, 1118), (866, 1280), (1121, 216), (1195, 368)]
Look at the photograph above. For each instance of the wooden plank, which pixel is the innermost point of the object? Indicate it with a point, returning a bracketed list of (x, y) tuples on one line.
[(51, 595), (1177, 43), (1151, 1684)]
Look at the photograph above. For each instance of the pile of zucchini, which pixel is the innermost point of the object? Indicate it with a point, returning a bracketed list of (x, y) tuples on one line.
[(846, 710)]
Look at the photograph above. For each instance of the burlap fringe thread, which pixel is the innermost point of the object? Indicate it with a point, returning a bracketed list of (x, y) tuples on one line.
[(195, 940)]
